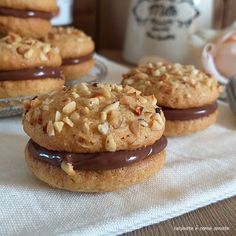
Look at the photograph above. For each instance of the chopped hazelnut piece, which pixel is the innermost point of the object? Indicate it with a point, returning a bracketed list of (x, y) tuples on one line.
[(57, 116), (75, 95), (103, 116), (75, 116), (28, 54), (85, 128), (50, 129), (135, 127), (69, 108), (84, 89), (68, 121), (103, 128), (156, 125), (111, 107), (58, 125), (68, 168), (43, 57), (110, 143)]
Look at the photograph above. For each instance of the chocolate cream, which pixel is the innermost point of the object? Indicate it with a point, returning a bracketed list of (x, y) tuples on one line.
[(96, 161), (189, 114), (34, 73), (78, 60), (19, 13)]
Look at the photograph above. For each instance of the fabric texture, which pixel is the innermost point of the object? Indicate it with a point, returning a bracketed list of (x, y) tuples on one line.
[(200, 169)]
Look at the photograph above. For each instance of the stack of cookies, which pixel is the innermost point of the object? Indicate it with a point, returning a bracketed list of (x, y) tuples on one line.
[(94, 138), (36, 59)]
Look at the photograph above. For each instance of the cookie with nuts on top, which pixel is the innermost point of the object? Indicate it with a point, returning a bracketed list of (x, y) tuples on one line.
[(105, 137), (28, 67), (27, 18), (76, 50), (186, 95)]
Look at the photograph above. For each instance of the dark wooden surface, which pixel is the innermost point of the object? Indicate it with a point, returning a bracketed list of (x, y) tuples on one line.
[(217, 219)]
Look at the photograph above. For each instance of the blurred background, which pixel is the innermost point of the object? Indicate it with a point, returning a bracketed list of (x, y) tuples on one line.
[(106, 20), (110, 25)]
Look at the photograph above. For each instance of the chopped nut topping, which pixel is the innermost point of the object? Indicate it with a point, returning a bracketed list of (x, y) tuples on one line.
[(106, 92), (111, 107), (83, 88), (68, 121), (91, 102), (45, 108), (43, 57), (22, 49), (110, 143), (75, 95), (75, 116), (138, 110), (50, 129), (69, 108), (127, 100), (55, 50), (135, 127), (68, 168), (115, 119), (46, 48), (28, 54), (103, 128), (58, 116), (103, 116), (85, 111), (58, 125), (156, 125), (156, 73), (85, 128), (158, 118)]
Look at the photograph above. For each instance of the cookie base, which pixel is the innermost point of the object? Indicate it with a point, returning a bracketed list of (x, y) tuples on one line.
[(95, 181), (29, 27), (73, 72), (179, 128), (29, 87)]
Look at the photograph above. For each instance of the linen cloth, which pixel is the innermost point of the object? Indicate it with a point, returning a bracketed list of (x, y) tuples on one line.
[(200, 169)]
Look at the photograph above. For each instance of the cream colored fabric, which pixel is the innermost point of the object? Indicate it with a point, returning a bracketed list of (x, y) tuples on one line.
[(200, 169)]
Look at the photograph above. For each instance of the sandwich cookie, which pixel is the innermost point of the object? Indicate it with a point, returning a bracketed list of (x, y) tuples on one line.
[(94, 138), (76, 50), (27, 18), (186, 95), (28, 67)]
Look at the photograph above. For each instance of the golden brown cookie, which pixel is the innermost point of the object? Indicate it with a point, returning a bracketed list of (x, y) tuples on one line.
[(28, 67), (76, 49), (27, 18), (101, 135), (185, 94)]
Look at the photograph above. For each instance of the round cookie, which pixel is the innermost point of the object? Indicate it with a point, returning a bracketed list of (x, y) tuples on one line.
[(27, 18), (105, 137), (76, 50), (28, 67), (186, 95)]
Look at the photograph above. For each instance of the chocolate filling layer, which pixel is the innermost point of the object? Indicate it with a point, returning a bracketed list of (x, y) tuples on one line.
[(189, 114), (29, 74), (96, 161), (26, 13), (75, 61)]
